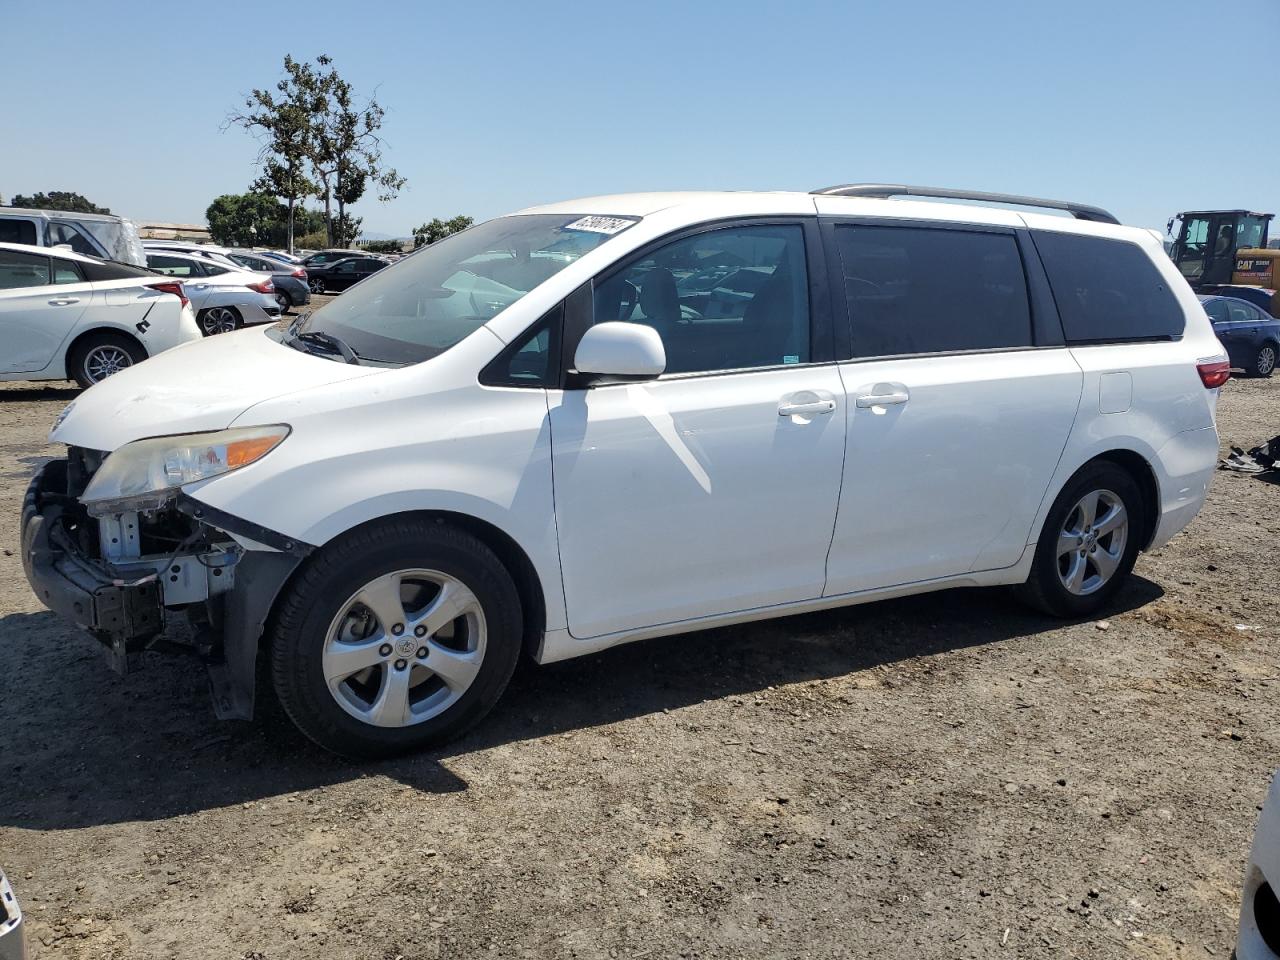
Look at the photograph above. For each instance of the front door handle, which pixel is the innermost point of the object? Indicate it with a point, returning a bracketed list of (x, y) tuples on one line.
[(63, 301), (811, 408), (882, 395)]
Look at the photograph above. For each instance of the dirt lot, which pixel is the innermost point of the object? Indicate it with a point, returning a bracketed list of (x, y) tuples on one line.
[(947, 777)]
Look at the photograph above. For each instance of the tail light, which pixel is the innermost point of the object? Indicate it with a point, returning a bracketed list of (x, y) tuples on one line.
[(265, 286), (299, 273), (174, 287), (1214, 373)]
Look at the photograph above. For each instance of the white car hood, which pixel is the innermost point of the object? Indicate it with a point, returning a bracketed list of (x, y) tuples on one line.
[(196, 387)]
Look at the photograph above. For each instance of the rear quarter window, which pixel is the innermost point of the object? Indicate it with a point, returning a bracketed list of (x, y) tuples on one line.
[(1107, 291)]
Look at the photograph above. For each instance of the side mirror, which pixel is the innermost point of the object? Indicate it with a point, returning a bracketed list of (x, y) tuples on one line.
[(620, 351)]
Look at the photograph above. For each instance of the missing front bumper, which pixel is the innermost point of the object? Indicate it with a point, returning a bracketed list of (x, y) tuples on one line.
[(122, 616), (227, 590)]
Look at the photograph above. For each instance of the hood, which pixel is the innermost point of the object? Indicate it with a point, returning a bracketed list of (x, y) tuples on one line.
[(199, 386)]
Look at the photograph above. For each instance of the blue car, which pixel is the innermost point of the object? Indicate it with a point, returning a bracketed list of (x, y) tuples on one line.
[(1250, 334)]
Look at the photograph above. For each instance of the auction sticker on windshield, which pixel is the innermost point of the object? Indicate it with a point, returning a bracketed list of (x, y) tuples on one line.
[(600, 224)]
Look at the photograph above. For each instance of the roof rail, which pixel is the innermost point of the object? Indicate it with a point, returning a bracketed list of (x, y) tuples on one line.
[(1080, 211)]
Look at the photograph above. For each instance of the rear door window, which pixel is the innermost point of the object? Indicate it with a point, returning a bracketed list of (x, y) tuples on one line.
[(918, 290), (172, 266), (1107, 291), (19, 270), (1217, 311)]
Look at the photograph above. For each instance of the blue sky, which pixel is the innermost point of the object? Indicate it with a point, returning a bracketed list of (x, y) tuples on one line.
[(1139, 106)]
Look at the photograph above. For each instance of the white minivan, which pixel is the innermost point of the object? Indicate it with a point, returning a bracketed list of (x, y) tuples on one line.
[(615, 418)]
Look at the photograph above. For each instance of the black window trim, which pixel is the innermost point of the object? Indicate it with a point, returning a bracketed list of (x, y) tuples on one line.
[(495, 373), (1046, 325), (580, 313)]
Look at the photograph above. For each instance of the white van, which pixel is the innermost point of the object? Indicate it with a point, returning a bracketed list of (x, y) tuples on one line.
[(91, 234), (615, 418)]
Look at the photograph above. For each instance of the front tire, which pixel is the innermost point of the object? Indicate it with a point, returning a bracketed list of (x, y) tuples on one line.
[(1089, 543), (100, 355), (1264, 362), (398, 636)]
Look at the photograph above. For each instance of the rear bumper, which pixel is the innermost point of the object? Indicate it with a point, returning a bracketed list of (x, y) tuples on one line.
[(73, 585), (1187, 464), (263, 309), (297, 290)]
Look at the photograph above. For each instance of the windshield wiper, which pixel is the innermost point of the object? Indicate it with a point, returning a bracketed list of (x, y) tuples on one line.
[(328, 342)]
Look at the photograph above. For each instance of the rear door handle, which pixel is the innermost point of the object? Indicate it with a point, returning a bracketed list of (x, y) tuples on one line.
[(883, 395), (63, 301), (810, 408)]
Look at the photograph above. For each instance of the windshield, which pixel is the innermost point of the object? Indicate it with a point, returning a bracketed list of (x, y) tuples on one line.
[(422, 305)]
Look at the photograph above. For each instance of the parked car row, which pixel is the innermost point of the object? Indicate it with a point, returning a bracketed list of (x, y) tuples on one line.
[(64, 315), (288, 283)]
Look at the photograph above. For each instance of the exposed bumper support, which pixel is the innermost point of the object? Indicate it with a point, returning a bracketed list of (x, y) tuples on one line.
[(124, 609), (121, 616)]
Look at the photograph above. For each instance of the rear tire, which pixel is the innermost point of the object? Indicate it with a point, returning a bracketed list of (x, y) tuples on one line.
[(99, 355), (361, 683), (316, 285), (1086, 553), (1264, 363), (215, 320), (284, 302)]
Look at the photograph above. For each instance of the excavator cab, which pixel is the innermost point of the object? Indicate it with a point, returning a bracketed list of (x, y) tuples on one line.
[(1205, 245)]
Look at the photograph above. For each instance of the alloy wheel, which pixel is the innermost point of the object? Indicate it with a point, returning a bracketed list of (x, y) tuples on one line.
[(404, 648), (317, 286), (102, 361), (1266, 360), (283, 301), (218, 320), (1091, 542)]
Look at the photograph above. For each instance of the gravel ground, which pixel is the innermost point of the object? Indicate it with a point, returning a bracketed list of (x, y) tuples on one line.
[(948, 776)]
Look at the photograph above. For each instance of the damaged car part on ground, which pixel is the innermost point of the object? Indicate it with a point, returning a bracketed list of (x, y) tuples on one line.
[(628, 417), (12, 939)]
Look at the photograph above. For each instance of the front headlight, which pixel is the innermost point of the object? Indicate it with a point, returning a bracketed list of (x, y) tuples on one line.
[(143, 474)]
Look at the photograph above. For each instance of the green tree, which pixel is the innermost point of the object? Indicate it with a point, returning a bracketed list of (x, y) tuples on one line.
[(346, 152), (257, 219), (286, 121), (382, 246), (345, 229), (244, 219), (438, 229), (58, 200)]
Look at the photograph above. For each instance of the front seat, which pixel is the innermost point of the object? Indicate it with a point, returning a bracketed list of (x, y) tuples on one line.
[(659, 299), (660, 304), (767, 334)]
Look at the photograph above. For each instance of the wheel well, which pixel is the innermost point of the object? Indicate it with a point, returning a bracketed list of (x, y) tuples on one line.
[(1137, 467), (89, 335), (514, 559)]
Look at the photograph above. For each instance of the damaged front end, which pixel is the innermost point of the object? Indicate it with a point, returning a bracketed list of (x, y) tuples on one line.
[(123, 571)]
